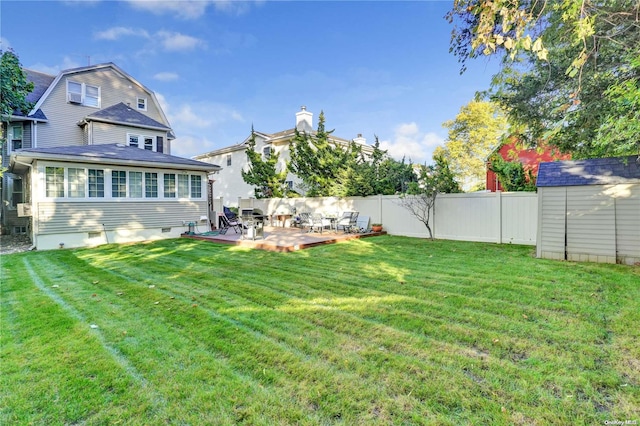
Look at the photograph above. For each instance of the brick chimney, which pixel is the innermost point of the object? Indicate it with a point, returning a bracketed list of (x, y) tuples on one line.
[(304, 120)]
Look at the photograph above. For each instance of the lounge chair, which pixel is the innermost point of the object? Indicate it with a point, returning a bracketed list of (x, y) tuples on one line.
[(348, 222), (229, 220)]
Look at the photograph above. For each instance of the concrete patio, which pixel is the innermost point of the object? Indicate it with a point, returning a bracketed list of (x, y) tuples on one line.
[(282, 239)]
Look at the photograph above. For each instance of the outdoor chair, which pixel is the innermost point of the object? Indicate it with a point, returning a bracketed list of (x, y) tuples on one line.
[(229, 220), (305, 220), (226, 223), (348, 222)]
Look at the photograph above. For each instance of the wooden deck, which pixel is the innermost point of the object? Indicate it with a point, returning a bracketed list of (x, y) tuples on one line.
[(282, 239)]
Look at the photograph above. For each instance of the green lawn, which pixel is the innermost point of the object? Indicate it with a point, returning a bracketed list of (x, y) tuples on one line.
[(384, 330)]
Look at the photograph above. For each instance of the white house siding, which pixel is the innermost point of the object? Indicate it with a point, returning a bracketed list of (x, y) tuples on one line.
[(590, 224), (104, 133), (113, 89), (552, 212), (86, 224), (628, 223)]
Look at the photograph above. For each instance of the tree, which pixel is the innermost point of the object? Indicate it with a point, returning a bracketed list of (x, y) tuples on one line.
[(374, 174), (571, 69), (420, 199), (512, 174), (14, 89), (320, 163), (473, 134), (263, 174)]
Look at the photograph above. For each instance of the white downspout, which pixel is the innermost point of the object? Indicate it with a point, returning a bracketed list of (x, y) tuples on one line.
[(33, 210)]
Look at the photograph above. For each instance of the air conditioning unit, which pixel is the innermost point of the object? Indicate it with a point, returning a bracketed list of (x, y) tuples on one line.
[(24, 210), (75, 98)]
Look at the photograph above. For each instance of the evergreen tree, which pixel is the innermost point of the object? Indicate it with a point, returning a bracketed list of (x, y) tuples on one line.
[(263, 173)]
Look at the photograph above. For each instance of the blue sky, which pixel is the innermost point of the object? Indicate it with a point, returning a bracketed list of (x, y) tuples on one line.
[(376, 68)]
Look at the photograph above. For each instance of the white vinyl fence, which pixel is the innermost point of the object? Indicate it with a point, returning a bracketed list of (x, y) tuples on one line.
[(499, 217)]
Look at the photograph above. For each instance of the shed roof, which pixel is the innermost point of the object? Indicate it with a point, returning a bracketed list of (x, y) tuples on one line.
[(595, 171), (124, 114)]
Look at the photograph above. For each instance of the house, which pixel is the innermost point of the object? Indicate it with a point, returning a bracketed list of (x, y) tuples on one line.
[(529, 157), (91, 164), (228, 183), (589, 210)]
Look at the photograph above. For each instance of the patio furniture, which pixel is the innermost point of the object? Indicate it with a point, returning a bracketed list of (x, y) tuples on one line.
[(226, 223), (348, 222)]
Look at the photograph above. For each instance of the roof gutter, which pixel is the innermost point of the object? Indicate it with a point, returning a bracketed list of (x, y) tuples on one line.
[(141, 126)]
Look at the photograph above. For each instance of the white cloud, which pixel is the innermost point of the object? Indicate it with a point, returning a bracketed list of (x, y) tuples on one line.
[(186, 9), (409, 142), (5, 44), (116, 33), (192, 9), (166, 76), (196, 123), (67, 63), (174, 41)]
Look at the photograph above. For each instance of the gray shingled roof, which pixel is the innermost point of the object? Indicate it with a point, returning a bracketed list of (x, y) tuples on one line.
[(41, 83), (124, 114), (596, 171), (114, 153)]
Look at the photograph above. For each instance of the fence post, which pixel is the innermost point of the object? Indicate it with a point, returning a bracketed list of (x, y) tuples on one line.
[(499, 215)]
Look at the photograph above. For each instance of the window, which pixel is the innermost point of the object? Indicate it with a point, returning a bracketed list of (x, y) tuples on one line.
[(169, 185), (266, 152), (76, 182), (148, 143), (151, 185), (142, 103), (96, 183), (85, 94), (196, 186), (54, 182), (135, 184), (16, 138), (118, 184), (133, 140), (183, 186), (92, 96), (74, 92), (228, 159), (288, 184), (17, 194)]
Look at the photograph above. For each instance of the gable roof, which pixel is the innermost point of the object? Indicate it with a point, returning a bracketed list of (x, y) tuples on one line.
[(96, 67), (596, 171), (124, 114), (110, 154)]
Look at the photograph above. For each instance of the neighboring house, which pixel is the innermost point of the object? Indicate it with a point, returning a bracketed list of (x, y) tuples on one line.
[(529, 157), (228, 183), (91, 163), (589, 210)]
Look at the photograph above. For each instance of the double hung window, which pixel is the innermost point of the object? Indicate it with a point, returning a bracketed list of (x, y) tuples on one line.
[(84, 94)]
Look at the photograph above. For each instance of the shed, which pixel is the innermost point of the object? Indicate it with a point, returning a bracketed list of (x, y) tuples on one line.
[(589, 210)]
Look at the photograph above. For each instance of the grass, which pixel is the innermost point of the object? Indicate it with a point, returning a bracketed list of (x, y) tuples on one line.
[(385, 330)]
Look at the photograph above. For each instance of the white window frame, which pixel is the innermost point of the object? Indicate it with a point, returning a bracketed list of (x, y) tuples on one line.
[(142, 141), (12, 137), (83, 94), (81, 184), (143, 101), (266, 152), (86, 188)]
